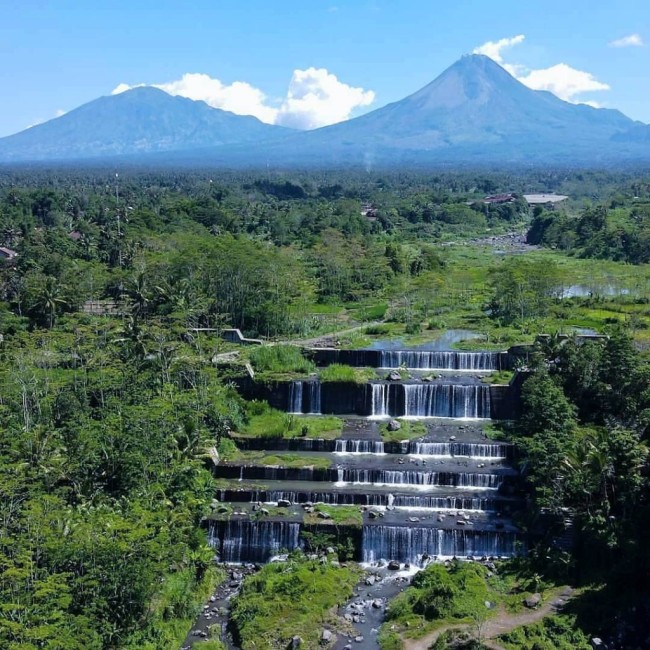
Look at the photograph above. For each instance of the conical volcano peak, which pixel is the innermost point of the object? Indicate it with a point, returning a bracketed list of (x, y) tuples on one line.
[(474, 78)]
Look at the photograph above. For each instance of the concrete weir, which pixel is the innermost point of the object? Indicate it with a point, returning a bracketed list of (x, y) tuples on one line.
[(450, 492)]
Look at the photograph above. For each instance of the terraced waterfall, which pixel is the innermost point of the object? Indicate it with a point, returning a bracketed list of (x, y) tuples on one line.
[(451, 492)]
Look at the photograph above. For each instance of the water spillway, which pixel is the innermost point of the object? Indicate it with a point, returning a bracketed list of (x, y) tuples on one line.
[(443, 360), (238, 540), (391, 399), (304, 397), (444, 490), (406, 498), (436, 360), (449, 449), (446, 400), (413, 544)]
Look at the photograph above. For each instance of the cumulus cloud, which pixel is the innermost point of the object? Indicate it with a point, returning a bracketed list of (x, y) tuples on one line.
[(493, 48), (315, 97), (632, 40), (561, 79)]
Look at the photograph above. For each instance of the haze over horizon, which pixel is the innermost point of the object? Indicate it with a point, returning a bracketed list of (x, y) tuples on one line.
[(310, 66)]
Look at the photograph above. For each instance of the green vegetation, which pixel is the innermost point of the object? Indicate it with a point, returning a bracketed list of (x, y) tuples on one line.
[(111, 399), (342, 373), (292, 599), (408, 430), (455, 596), (499, 377), (617, 233), (282, 460), (263, 421), (336, 515), (280, 360), (557, 632)]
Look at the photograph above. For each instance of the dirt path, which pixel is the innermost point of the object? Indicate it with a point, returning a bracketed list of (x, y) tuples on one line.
[(503, 622), (326, 340)]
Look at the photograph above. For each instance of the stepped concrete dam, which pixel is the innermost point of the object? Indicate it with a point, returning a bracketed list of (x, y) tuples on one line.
[(449, 491)]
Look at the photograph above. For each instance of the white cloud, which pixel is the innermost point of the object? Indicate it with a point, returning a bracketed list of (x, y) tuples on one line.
[(238, 97), (60, 112), (632, 40), (560, 79), (563, 80), (493, 48), (122, 88), (315, 97)]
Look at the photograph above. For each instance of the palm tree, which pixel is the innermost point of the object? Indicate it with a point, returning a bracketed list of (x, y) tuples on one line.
[(49, 300)]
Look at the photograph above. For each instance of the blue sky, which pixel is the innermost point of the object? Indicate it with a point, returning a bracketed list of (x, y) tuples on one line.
[(311, 62)]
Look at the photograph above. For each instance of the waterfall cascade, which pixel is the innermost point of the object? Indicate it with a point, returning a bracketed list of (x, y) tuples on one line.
[(304, 397), (435, 360), (441, 495)]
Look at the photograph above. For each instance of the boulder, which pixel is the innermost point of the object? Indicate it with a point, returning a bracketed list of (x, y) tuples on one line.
[(325, 637), (597, 643), (393, 565), (533, 601), (394, 375), (394, 425), (296, 642), (324, 515), (283, 503)]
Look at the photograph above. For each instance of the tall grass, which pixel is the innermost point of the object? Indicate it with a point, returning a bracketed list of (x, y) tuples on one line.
[(280, 359)]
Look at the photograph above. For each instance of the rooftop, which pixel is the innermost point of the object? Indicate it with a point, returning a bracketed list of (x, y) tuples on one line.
[(535, 199)]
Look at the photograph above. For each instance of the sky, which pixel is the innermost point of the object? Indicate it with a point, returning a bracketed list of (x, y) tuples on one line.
[(308, 63)]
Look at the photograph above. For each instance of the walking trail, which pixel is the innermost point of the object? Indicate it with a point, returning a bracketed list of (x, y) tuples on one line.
[(500, 624)]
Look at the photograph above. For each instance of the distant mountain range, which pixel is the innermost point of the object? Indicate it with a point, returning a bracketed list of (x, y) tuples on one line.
[(473, 113), (139, 121)]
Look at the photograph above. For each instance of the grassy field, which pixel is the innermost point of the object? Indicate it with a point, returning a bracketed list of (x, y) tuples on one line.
[(264, 421), (408, 430), (296, 598)]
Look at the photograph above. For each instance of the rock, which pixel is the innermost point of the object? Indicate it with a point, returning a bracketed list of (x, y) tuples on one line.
[(324, 515), (597, 643), (533, 601), (309, 509), (265, 512), (377, 603), (373, 514), (414, 519), (393, 565), (393, 425), (325, 637), (283, 503), (394, 375), (461, 522), (370, 580), (330, 550), (452, 438), (296, 642), (358, 639)]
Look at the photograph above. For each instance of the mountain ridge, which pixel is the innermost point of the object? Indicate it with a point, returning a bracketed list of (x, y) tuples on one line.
[(138, 121), (474, 111)]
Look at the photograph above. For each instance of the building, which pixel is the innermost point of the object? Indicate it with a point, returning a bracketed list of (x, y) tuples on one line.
[(499, 198), (7, 253), (545, 200)]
